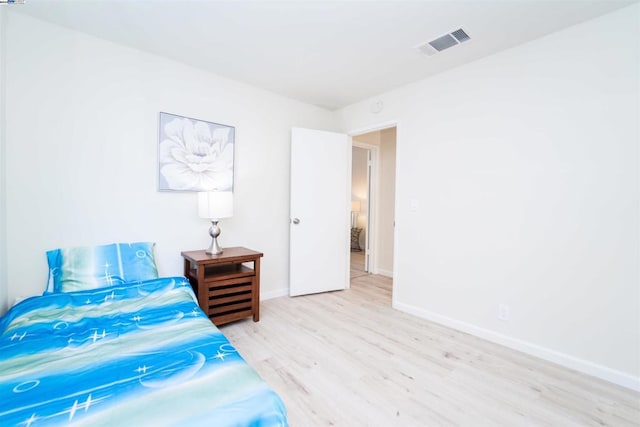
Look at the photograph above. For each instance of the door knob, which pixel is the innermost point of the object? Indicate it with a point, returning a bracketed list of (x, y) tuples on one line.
[(296, 221)]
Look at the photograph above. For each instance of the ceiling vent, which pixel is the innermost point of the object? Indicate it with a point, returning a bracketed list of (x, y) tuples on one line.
[(444, 42)]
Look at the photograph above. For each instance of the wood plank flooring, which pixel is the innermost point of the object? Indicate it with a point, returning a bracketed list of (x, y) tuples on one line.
[(357, 265), (348, 359)]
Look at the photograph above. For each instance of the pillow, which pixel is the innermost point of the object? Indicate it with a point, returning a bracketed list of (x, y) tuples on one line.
[(92, 267)]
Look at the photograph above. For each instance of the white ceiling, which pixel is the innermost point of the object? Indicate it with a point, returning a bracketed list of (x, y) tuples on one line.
[(327, 53)]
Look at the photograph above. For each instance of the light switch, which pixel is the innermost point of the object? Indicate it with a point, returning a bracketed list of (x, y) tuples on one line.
[(413, 206)]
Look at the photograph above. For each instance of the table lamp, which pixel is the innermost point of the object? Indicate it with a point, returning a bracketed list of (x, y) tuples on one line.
[(215, 205), (355, 208)]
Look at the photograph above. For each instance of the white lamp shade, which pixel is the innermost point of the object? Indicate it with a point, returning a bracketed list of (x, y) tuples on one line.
[(215, 204), (355, 206)]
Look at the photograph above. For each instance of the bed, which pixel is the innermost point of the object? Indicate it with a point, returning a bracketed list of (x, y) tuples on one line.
[(130, 353)]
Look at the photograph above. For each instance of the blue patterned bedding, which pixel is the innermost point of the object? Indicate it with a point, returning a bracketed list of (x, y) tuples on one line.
[(135, 354)]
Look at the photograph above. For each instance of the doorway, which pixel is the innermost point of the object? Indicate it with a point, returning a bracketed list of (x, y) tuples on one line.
[(373, 202)]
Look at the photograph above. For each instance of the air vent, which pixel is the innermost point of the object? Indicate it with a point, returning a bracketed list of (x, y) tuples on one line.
[(444, 42), (460, 35)]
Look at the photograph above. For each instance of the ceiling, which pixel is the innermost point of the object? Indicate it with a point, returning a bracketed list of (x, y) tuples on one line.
[(327, 53)]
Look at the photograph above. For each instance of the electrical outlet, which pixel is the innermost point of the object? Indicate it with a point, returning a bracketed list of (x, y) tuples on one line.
[(503, 312)]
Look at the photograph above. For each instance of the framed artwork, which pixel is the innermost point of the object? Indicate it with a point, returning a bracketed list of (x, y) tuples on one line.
[(194, 155)]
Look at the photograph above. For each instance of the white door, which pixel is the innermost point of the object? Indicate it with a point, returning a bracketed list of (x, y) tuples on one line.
[(320, 204)]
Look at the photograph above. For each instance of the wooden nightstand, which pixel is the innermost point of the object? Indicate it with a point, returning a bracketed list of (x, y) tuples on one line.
[(227, 288)]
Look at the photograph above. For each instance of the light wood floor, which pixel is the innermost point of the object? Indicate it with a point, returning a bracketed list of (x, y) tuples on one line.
[(357, 265), (348, 359)]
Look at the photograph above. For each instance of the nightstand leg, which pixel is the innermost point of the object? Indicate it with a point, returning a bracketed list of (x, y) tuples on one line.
[(256, 291)]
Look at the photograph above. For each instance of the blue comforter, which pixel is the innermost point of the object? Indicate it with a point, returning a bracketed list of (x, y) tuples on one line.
[(135, 354)]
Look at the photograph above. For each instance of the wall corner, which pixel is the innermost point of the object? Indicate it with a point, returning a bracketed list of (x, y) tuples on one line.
[(3, 186)]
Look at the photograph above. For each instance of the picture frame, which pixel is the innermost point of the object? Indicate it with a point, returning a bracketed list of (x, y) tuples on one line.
[(194, 154)]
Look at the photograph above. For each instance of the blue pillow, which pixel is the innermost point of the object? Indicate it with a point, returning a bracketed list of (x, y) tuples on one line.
[(92, 267)]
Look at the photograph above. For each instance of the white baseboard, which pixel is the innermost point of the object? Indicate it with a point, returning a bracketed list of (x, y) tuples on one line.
[(382, 272), (617, 377), (274, 294)]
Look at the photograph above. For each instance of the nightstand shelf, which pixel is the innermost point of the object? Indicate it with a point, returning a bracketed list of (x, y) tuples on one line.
[(227, 285)]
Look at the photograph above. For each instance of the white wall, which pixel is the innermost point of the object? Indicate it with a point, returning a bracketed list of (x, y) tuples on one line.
[(386, 205), (525, 168), (82, 154), (3, 224)]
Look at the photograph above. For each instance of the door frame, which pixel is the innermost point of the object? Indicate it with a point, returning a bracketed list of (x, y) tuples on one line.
[(373, 128), (372, 203)]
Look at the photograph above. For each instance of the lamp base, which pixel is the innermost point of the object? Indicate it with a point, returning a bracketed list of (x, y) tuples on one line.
[(214, 248)]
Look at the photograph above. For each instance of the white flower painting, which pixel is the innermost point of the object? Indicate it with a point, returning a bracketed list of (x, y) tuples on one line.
[(195, 155)]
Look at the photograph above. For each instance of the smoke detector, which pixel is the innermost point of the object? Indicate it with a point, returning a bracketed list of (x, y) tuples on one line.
[(441, 43)]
